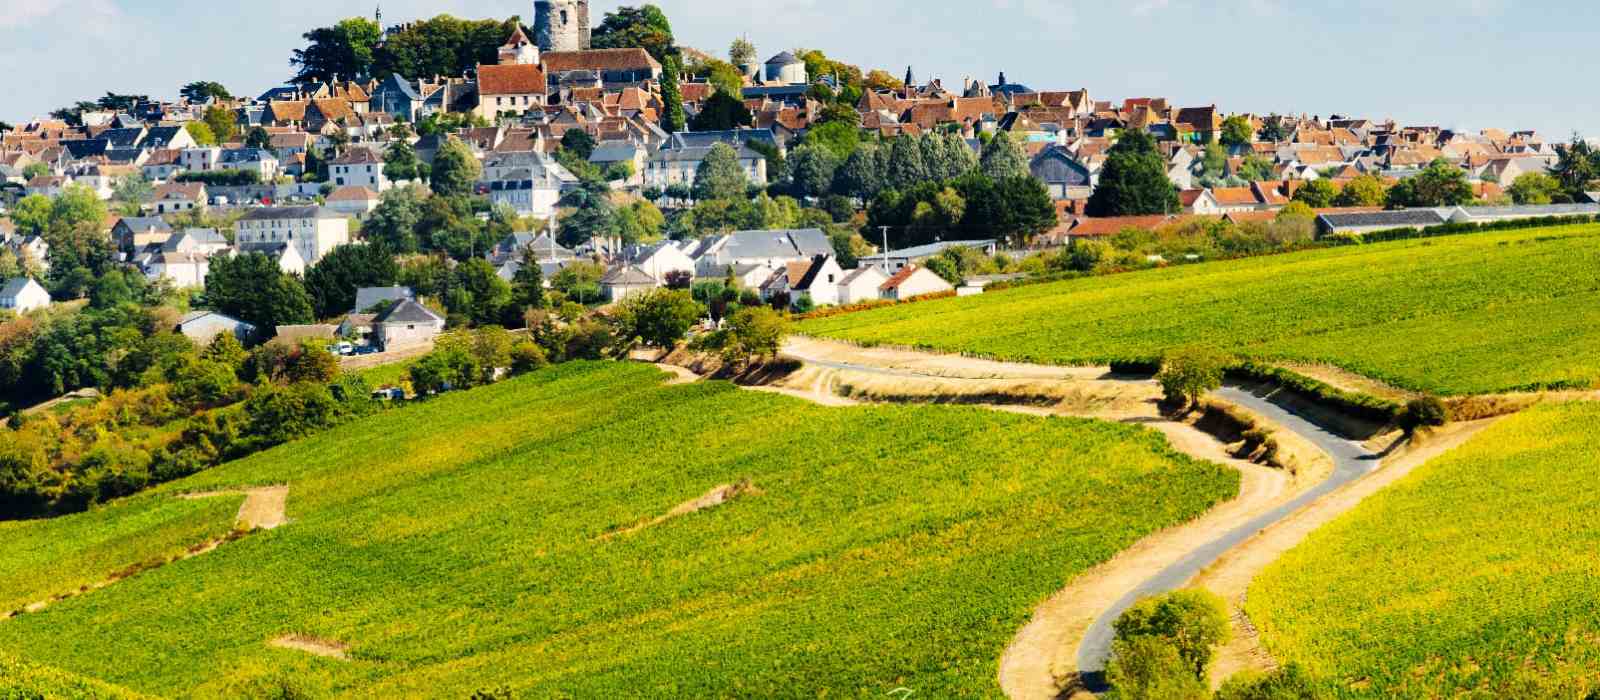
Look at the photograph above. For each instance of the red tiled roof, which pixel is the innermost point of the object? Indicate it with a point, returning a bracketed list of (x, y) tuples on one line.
[(511, 80), (599, 59), (899, 278)]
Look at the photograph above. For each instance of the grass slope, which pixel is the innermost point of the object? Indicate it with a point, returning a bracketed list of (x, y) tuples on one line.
[(21, 680), (1459, 315), (457, 545), (1474, 577)]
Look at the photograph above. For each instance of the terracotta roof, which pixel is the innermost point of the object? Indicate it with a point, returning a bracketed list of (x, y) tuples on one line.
[(293, 111), (598, 59), (359, 155), (1111, 225), (899, 277), (334, 109), (352, 193), (511, 80), (188, 191), (1234, 196), (1188, 197)]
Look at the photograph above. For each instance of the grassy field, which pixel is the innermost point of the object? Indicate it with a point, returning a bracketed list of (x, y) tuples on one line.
[(1467, 314), (1474, 577), (21, 680), (461, 544)]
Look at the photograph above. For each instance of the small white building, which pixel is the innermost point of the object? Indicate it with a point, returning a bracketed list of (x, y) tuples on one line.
[(353, 200), (251, 160), (359, 167), (913, 281), (204, 326), (199, 159), (861, 284), (819, 281), (23, 294), (406, 324), (626, 281)]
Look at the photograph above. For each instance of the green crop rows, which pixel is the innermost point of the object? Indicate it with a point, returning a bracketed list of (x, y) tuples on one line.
[(1474, 577), (21, 680), (1470, 314), (459, 545)]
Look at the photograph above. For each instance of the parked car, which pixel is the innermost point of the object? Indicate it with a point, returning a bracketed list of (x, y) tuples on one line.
[(346, 349), (389, 394), (367, 350)]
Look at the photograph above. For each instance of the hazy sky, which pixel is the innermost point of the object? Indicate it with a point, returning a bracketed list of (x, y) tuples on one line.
[(1462, 64)]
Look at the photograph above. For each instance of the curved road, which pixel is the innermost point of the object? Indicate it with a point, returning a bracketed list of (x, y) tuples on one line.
[(1351, 461)]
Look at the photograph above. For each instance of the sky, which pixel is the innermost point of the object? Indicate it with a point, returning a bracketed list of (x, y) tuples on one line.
[(1463, 64)]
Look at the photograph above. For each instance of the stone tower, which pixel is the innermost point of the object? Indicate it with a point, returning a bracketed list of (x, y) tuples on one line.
[(561, 25)]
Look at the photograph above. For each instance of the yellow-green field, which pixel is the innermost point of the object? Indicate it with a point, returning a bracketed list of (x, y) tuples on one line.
[(1478, 576), (462, 544), (1469, 314)]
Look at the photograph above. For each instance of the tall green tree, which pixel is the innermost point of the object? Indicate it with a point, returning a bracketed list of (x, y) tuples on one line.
[(1577, 165), (1134, 180), (488, 295), (812, 168), (455, 169), (673, 119), (961, 158), (251, 288), (1236, 131), (1317, 194), (645, 27), (1365, 190), (394, 222), (1003, 158), (859, 177), (720, 176), (223, 123), (443, 45), (400, 161), (203, 90), (906, 167), (1534, 188), (721, 112), (1441, 184), (332, 281), (741, 52), (527, 285), (345, 50), (257, 137), (578, 142)]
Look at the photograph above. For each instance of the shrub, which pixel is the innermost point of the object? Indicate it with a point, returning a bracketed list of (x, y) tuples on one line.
[(1425, 412), (660, 317), (1136, 368), (526, 357), (1288, 683), (1187, 375), (753, 332), (1364, 406), (1149, 668), (1192, 621)]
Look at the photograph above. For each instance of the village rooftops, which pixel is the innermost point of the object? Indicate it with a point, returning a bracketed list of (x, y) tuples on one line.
[(408, 311), (281, 213)]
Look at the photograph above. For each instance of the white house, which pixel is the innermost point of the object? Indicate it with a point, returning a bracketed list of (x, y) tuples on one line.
[(768, 249), (251, 160), (311, 230), (22, 294), (526, 194), (406, 324), (626, 281), (660, 259), (359, 167), (199, 159), (175, 197), (861, 284), (680, 165), (911, 282), (204, 326), (353, 200), (819, 281)]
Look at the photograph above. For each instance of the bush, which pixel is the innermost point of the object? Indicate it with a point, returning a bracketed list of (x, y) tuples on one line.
[(527, 357), (753, 332), (1426, 412), (1363, 406), (1187, 375), (659, 317), (1136, 368), (1149, 668), (1192, 621), (1288, 683)]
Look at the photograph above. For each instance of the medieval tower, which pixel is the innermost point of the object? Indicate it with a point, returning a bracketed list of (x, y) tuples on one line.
[(561, 25)]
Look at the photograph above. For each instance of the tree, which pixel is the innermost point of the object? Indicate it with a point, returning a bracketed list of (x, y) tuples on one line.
[(720, 176), (1534, 188), (201, 133), (1214, 162), (257, 137), (724, 77), (393, 223), (1441, 184), (201, 91), (527, 284), (1365, 190), (344, 50), (1150, 668), (1187, 375), (332, 281), (479, 292), (1577, 165), (1193, 621), (672, 118), (720, 112), (754, 332), (860, 176), (1236, 131), (251, 288), (1424, 412), (741, 52), (132, 189), (1134, 180), (1254, 168), (400, 161), (1291, 682), (455, 169), (645, 27), (839, 138), (579, 142), (1272, 130), (906, 167), (443, 45), (812, 168), (659, 317), (1317, 194), (1002, 158), (593, 217), (961, 159)]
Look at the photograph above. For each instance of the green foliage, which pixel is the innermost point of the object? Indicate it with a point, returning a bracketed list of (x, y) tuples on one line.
[(251, 288), (579, 142), (1291, 682), (221, 178), (1134, 180), (1317, 194), (1193, 622), (393, 223), (659, 317), (838, 138), (721, 112), (332, 282), (258, 137), (1441, 184), (579, 281), (1534, 188), (201, 133), (812, 169), (645, 27), (1254, 168), (906, 166), (222, 122), (1236, 131), (1505, 609), (754, 332), (400, 161), (442, 45), (720, 176), (1337, 306), (1365, 190), (1424, 412), (673, 119), (344, 50), (1002, 158), (455, 169), (1151, 668), (201, 91)]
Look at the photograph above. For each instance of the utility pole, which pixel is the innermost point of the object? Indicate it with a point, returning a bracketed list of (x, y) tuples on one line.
[(885, 252)]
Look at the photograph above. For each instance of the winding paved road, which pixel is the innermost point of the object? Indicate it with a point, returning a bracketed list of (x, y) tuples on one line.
[(1351, 461)]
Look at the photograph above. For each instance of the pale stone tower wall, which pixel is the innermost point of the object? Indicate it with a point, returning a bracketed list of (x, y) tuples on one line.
[(561, 25)]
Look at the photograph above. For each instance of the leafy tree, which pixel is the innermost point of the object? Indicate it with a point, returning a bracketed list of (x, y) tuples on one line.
[(344, 50), (1187, 375), (720, 176), (443, 45), (1236, 131), (660, 317), (578, 142), (1214, 162), (132, 189), (201, 133), (839, 138), (1134, 180), (400, 161), (479, 293), (906, 167), (1424, 412), (579, 281), (1150, 668), (251, 288), (1291, 682), (1272, 131), (645, 27), (721, 112), (1193, 621), (812, 168), (33, 170), (1317, 194), (332, 281), (258, 137), (1440, 184), (1254, 168), (201, 91), (393, 223), (1003, 158), (1365, 190), (724, 77), (594, 216), (1577, 165), (527, 285), (455, 169), (960, 158), (754, 332), (672, 118), (1534, 188)]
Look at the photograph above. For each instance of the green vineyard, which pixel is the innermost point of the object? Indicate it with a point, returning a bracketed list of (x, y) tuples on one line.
[(516, 536), (1470, 314)]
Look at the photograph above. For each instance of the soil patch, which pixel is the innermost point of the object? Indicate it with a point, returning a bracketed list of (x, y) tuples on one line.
[(713, 498), (312, 645), (263, 508)]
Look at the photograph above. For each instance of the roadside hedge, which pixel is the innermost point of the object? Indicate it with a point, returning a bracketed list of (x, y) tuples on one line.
[(1364, 406)]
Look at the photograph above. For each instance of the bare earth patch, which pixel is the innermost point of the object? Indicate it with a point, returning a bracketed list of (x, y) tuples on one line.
[(263, 508), (680, 375), (713, 498), (312, 645)]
